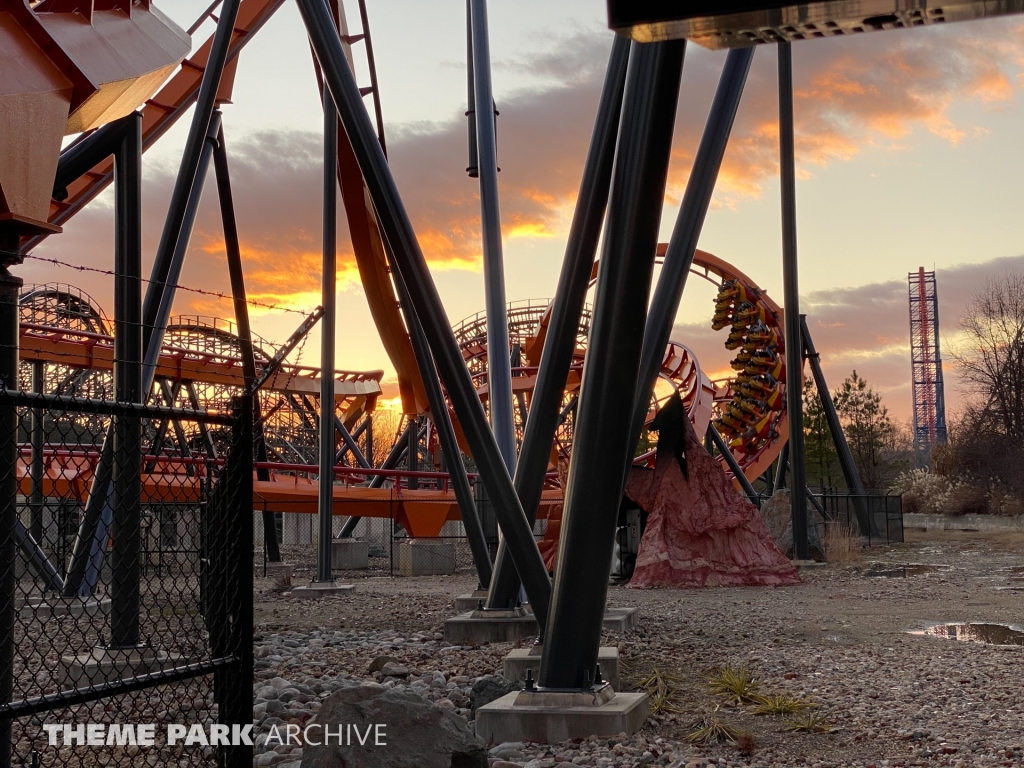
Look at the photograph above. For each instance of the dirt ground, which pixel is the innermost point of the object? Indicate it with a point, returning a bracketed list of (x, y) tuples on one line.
[(839, 641)]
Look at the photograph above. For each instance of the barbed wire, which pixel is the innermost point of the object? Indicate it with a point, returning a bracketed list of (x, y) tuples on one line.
[(201, 291)]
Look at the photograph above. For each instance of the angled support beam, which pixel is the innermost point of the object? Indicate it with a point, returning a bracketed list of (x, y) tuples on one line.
[(681, 247), (397, 228), (564, 323), (601, 441), (737, 471), (835, 428)]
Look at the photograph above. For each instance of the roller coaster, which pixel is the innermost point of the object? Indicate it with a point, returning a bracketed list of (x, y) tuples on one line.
[(67, 348)]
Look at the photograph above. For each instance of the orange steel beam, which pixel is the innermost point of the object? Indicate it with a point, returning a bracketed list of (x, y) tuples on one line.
[(170, 102), (80, 349)]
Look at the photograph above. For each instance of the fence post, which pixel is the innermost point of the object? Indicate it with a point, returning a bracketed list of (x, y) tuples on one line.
[(233, 684), (10, 287)]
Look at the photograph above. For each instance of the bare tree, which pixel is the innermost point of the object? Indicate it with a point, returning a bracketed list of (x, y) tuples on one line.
[(991, 358)]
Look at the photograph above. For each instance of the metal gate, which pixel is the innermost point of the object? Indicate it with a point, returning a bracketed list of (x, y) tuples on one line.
[(125, 623)]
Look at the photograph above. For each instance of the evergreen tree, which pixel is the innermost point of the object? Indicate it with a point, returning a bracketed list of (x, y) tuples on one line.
[(819, 451)]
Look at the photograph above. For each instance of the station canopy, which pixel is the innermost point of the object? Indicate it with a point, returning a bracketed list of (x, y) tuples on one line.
[(738, 23)]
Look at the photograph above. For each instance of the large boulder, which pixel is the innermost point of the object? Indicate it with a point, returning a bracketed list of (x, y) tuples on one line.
[(419, 734), (777, 513), (491, 688)]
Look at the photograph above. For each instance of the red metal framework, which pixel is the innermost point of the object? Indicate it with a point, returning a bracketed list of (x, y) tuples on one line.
[(926, 362)]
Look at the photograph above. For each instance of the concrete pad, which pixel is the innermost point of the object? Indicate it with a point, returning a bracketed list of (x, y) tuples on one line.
[(350, 555), (620, 619), (426, 557), (505, 720), (471, 601), (55, 606), (479, 627), (474, 628), (104, 665), (320, 589), (522, 659)]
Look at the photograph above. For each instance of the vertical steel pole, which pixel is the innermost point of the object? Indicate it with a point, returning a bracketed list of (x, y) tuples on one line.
[(473, 169), (679, 257), (38, 446), (10, 287), (499, 372), (790, 272), (601, 444), (445, 432), (233, 251), (451, 366), (327, 329), (846, 462), (368, 451), (127, 534), (414, 451), (564, 322)]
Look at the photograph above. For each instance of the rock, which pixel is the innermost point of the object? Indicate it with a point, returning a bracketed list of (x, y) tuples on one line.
[(417, 733), (777, 514), (491, 688), (391, 669), (378, 663)]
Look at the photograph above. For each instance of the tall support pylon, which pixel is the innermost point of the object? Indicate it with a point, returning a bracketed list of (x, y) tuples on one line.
[(926, 364)]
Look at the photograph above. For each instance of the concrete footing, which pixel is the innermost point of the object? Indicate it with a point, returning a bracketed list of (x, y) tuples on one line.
[(56, 606), (426, 557), (320, 589), (522, 659), (104, 665), (350, 555), (477, 627), (471, 601), (551, 718)]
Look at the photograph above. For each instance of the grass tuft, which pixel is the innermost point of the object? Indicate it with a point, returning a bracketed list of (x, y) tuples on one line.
[(737, 684), (842, 544), (780, 704), (810, 722), (710, 730)]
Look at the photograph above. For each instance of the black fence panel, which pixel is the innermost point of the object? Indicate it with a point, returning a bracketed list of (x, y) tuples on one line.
[(154, 641)]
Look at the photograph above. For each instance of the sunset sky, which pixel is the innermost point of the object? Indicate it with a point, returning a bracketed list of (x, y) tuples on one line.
[(909, 152)]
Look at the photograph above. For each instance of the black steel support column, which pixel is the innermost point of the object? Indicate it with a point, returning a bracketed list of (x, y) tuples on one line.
[(564, 322), (38, 446), (499, 372), (679, 257), (719, 443), (414, 451), (10, 288), (398, 451), (473, 169), (327, 330), (601, 443), (451, 366), (350, 444), (189, 171), (780, 469), (445, 432), (234, 258), (125, 595), (794, 348), (846, 462)]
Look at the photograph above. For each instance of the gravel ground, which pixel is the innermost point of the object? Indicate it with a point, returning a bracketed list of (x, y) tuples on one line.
[(839, 641)]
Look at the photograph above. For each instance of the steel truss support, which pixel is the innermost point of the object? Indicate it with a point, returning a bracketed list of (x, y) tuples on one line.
[(790, 273), (237, 277), (601, 449), (445, 432), (499, 372), (679, 257), (126, 572), (564, 323), (846, 462), (327, 330), (398, 230), (780, 468), (349, 440), (38, 439), (737, 471)]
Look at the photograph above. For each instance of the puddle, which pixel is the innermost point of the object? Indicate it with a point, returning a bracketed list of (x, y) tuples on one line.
[(992, 634), (901, 571)]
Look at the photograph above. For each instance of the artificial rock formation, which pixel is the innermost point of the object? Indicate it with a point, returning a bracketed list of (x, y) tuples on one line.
[(701, 532)]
